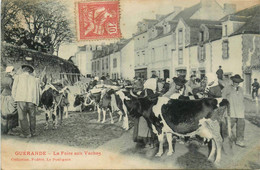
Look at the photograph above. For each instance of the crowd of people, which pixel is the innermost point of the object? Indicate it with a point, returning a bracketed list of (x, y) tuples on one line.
[(20, 97)]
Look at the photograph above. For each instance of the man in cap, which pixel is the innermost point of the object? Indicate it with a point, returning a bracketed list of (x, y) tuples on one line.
[(176, 86), (26, 92), (220, 73), (235, 95), (255, 89), (8, 110)]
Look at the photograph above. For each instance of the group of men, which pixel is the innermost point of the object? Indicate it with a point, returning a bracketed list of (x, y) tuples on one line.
[(179, 88), (19, 93)]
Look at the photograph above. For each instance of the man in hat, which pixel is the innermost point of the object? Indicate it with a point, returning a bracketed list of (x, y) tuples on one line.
[(235, 95), (220, 73), (176, 86), (26, 92), (8, 110), (255, 89), (192, 84)]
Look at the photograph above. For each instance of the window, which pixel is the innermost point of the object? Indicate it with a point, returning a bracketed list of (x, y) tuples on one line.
[(225, 30), (180, 56), (201, 53), (107, 62), (181, 72), (225, 49), (114, 63), (202, 74), (153, 54), (97, 65), (165, 49), (201, 36), (180, 37)]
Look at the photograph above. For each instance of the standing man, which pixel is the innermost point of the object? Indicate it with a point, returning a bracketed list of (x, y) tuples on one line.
[(255, 89), (26, 92), (235, 95), (220, 73)]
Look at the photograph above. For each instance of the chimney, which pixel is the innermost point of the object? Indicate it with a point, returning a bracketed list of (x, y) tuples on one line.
[(229, 8)]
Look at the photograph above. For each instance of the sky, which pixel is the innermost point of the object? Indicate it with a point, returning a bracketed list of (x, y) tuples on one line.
[(133, 11)]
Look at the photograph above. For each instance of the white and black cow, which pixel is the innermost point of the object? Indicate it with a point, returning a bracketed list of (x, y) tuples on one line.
[(101, 100), (54, 101), (181, 118), (117, 103)]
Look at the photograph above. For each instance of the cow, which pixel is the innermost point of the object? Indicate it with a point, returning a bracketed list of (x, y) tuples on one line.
[(117, 104), (54, 101), (181, 118)]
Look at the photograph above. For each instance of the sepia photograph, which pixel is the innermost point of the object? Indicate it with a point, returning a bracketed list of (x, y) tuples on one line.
[(130, 84)]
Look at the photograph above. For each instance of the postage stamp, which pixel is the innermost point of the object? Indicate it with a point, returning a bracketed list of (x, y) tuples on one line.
[(98, 20)]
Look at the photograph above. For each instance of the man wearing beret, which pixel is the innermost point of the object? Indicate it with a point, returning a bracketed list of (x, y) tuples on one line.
[(235, 95), (26, 92)]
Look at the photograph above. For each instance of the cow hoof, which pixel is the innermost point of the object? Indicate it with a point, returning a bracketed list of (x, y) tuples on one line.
[(169, 153), (112, 122), (211, 159), (159, 154), (103, 121), (98, 120)]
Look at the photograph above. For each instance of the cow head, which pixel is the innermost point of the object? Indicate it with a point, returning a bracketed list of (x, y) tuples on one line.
[(79, 99)]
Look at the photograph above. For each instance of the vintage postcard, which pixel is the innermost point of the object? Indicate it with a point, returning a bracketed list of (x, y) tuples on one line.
[(130, 84)]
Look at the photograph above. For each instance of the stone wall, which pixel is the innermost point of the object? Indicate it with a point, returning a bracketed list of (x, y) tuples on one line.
[(16, 56)]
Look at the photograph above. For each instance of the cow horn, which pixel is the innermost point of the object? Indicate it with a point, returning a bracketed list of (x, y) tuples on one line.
[(132, 94)]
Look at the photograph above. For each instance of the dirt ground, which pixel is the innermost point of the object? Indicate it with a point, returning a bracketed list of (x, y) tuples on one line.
[(81, 131)]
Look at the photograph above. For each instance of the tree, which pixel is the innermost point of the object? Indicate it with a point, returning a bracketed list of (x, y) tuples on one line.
[(44, 25)]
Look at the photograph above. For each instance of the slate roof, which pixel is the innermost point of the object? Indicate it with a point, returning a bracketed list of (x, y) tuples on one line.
[(195, 24), (102, 53), (252, 25), (185, 14)]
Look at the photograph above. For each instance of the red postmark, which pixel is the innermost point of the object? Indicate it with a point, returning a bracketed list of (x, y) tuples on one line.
[(98, 20)]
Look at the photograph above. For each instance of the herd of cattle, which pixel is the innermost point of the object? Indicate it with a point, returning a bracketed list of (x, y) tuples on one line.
[(182, 118)]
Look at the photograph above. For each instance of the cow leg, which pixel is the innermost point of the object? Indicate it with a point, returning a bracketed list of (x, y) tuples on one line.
[(104, 115), (126, 122), (66, 111), (111, 117), (161, 140), (125, 119), (99, 114), (54, 118), (47, 114), (169, 139), (120, 116), (213, 151), (61, 114)]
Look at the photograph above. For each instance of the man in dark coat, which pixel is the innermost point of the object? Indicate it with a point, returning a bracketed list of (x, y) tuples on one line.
[(220, 73), (255, 88)]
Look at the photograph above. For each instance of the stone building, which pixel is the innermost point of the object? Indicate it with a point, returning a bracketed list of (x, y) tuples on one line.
[(161, 42)]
